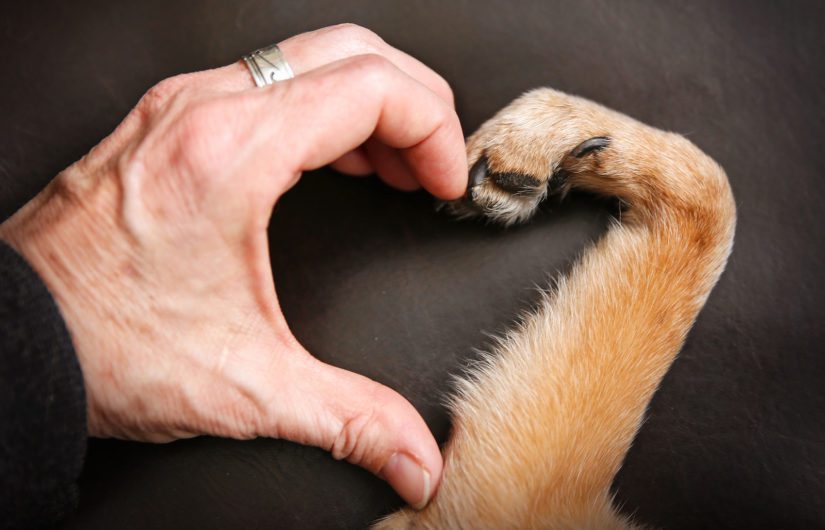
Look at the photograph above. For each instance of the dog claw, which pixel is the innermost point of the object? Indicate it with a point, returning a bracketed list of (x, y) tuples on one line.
[(477, 173), (591, 145)]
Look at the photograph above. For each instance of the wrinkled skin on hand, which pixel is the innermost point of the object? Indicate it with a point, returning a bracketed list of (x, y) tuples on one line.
[(155, 248)]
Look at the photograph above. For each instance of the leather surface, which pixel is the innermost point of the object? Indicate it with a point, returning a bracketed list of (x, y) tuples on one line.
[(375, 281)]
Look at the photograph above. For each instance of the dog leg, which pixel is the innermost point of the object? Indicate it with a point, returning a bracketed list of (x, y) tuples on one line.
[(542, 427)]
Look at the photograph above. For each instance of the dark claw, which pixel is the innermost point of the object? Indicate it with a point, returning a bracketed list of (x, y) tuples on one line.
[(588, 146), (477, 173)]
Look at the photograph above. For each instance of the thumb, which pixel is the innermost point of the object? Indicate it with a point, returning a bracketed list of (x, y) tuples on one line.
[(363, 422)]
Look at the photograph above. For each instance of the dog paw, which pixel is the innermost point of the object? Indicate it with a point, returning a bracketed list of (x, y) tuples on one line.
[(527, 152)]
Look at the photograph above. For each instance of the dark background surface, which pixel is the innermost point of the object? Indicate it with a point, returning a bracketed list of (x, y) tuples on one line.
[(373, 280)]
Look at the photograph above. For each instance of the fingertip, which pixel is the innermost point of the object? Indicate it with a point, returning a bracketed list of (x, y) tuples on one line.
[(439, 162), (414, 468), (443, 174), (367, 424), (409, 478), (454, 184)]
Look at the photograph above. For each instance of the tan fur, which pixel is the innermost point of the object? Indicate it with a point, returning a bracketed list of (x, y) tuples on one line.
[(542, 427)]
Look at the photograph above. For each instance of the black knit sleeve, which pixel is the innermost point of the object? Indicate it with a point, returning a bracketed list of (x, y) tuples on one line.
[(42, 402)]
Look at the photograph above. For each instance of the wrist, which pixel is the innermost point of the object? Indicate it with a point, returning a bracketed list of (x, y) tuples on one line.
[(67, 234)]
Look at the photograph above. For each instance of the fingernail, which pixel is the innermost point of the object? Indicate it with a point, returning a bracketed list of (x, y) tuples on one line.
[(408, 478)]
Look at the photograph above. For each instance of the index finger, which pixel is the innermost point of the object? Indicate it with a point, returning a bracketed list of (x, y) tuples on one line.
[(314, 49), (335, 108)]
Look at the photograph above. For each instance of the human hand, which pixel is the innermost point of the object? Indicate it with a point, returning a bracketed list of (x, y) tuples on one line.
[(155, 247)]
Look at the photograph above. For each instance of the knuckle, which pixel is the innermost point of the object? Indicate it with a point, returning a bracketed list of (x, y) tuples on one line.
[(204, 137), (350, 442), (358, 36), (161, 94), (200, 117), (446, 90), (373, 69), (210, 117), (360, 438)]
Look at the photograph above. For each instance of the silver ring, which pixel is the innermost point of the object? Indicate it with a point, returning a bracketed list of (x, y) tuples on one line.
[(268, 65)]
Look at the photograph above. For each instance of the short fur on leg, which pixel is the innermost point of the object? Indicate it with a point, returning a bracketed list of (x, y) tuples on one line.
[(542, 427)]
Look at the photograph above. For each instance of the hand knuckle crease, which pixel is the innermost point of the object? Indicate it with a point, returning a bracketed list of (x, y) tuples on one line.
[(349, 443)]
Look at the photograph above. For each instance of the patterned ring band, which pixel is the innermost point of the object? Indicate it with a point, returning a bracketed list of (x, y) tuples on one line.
[(268, 65)]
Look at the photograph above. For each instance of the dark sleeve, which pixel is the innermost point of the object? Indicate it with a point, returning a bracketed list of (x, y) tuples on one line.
[(42, 402)]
